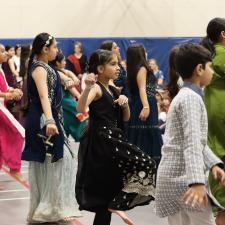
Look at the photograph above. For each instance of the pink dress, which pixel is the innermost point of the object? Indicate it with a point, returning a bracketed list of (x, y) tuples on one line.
[(12, 134)]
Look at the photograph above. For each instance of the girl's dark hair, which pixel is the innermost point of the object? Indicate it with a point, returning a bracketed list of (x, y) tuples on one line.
[(59, 58), (136, 58), (214, 29), (25, 53), (17, 47), (98, 58), (188, 57), (40, 41), (173, 87), (107, 45), (7, 47)]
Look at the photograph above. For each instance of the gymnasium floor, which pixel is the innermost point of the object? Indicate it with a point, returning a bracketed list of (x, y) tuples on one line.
[(14, 202)]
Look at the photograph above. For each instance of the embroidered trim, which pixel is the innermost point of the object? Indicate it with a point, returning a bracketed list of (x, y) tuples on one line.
[(144, 126)]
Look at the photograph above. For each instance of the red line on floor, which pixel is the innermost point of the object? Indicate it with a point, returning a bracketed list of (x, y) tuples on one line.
[(26, 185)]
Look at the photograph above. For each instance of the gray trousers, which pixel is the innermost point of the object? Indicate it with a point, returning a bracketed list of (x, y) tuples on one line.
[(192, 218)]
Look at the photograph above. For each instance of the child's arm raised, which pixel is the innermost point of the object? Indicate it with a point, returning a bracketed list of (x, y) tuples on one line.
[(90, 93)]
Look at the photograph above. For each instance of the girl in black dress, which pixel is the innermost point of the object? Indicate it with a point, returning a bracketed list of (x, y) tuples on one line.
[(113, 175)]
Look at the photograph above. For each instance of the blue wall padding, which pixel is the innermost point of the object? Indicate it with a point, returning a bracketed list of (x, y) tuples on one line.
[(157, 48)]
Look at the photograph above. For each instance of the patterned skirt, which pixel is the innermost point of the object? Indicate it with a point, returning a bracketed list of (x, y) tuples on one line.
[(113, 173)]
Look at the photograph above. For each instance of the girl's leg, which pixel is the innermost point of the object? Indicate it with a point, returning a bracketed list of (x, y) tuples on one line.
[(204, 218), (102, 217), (220, 218), (17, 174), (123, 216), (180, 218)]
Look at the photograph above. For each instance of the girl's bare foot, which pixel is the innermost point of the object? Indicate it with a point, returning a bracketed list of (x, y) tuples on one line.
[(18, 175), (123, 216), (220, 218), (1, 187)]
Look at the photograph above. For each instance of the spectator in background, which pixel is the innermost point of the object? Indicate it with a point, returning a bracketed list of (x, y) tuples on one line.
[(25, 54), (9, 67), (77, 62), (12, 78), (158, 73), (16, 57)]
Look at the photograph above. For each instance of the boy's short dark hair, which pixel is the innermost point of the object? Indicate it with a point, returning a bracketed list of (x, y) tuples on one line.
[(188, 57)]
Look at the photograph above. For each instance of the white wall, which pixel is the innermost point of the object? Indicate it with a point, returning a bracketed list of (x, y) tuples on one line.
[(107, 18)]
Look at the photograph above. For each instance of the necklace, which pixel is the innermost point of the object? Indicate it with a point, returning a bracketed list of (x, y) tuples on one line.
[(106, 88)]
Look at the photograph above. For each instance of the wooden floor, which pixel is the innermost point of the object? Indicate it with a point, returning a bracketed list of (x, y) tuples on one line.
[(14, 203)]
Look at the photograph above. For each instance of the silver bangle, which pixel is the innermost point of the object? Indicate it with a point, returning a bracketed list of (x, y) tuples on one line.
[(67, 80), (49, 121)]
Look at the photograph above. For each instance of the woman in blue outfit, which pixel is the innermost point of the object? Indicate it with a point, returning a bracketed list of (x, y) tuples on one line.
[(51, 162), (143, 128)]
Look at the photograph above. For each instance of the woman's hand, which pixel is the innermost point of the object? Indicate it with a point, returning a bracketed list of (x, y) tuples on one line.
[(51, 129), (17, 94), (9, 96), (144, 114)]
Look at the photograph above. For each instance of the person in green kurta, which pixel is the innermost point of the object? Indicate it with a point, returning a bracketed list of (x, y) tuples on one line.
[(215, 104), (74, 122)]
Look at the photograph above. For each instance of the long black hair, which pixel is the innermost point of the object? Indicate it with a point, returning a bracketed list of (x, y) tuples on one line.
[(172, 86), (136, 58), (214, 29), (40, 41), (25, 54), (98, 58)]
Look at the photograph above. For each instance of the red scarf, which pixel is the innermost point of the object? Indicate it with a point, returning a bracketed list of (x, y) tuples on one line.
[(75, 61)]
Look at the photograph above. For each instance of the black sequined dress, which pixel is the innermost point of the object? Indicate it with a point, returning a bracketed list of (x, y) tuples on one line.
[(112, 173)]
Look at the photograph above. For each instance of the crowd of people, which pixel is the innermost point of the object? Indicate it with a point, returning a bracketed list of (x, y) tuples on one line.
[(141, 139)]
